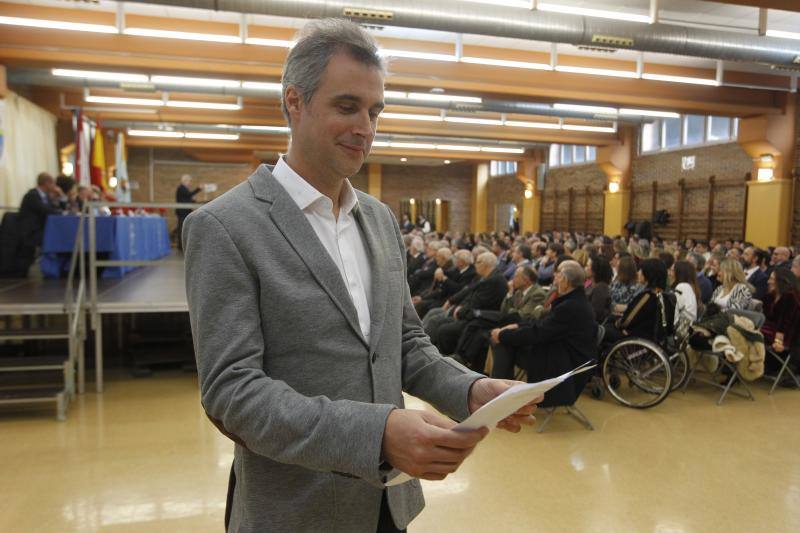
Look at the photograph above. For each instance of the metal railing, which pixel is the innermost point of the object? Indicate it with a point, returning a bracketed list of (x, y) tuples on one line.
[(75, 304), (96, 319)]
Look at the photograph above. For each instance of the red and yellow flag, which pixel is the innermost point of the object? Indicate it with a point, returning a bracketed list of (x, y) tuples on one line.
[(98, 168)]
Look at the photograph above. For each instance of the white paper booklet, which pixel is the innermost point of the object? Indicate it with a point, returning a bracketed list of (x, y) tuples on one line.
[(505, 405)]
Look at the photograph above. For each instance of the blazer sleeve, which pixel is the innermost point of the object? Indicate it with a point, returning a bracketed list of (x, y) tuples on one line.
[(440, 381), (224, 309)]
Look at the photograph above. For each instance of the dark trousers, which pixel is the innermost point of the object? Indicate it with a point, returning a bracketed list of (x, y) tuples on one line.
[(503, 361), (385, 522), (448, 336)]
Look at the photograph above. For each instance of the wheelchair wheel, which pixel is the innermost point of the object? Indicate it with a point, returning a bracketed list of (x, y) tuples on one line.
[(637, 373), (679, 364)]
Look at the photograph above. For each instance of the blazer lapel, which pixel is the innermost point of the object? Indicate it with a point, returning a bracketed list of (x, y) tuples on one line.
[(368, 222), (294, 226)]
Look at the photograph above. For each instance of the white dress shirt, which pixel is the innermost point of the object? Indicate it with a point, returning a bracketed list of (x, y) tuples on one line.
[(340, 236)]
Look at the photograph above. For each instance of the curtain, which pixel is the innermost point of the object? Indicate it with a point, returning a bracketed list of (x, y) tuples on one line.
[(28, 147)]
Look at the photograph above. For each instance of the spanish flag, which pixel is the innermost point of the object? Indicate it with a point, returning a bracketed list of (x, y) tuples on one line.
[(98, 169)]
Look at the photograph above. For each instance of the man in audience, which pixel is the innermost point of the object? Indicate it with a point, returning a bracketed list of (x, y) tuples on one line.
[(796, 266), (520, 257), (705, 285), (486, 292), (781, 258), (564, 339), (502, 250), (754, 274), (36, 206), (548, 263), (422, 278), (414, 254), (434, 295)]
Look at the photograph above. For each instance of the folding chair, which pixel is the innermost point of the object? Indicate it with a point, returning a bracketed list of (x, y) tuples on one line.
[(758, 321), (581, 381), (783, 360)]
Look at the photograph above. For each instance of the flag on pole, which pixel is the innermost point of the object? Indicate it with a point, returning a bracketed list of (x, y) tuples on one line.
[(123, 191), (82, 145), (98, 171)]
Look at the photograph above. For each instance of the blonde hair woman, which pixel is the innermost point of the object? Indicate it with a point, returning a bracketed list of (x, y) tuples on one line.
[(735, 292), (581, 257)]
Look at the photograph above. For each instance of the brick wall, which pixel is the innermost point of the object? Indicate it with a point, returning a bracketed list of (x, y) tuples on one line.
[(451, 183), (587, 210), (168, 167), (727, 162), (502, 191)]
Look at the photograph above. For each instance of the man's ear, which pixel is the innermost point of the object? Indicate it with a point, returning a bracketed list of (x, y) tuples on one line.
[(293, 101)]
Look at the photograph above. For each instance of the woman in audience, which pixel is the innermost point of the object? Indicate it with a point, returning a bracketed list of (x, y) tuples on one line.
[(651, 313), (598, 292), (712, 271), (625, 286), (687, 306), (782, 311), (734, 291)]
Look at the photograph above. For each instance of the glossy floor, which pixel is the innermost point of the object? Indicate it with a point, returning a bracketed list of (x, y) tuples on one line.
[(142, 457)]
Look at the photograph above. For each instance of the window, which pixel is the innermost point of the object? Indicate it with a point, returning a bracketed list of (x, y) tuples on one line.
[(687, 130), (571, 154), (672, 133), (695, 129), (502, 168), (719, 128)]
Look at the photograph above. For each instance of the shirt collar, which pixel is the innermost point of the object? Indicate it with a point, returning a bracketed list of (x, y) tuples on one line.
[(305, 195)]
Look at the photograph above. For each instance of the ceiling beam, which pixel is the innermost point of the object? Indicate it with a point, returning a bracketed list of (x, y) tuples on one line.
[(785, 5)]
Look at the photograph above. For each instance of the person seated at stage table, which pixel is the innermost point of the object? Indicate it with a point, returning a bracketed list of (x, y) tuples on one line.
[(564, 339), (37, 204)]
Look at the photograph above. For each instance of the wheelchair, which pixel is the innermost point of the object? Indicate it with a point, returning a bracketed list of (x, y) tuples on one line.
[(640, 373)]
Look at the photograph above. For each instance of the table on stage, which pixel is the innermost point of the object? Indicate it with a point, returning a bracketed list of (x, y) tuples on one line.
[(117, 237)]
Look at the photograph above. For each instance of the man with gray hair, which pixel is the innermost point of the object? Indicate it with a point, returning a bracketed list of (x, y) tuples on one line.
[(781, 258), (304, 331), (565, 338), (414, 256), (184, 195)]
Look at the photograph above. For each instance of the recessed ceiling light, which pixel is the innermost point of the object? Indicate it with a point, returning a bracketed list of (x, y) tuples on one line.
[(403, 159), (446, 161)]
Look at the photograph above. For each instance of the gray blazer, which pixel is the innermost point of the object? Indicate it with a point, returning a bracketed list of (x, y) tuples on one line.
[(285, 370)]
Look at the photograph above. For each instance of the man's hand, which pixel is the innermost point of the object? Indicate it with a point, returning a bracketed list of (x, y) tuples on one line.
[(496, 332), (446, 305), (424, 445), (455, 311), (486, 389)]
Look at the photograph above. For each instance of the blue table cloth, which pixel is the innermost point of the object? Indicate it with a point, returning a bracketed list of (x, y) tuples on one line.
[(117, 237)]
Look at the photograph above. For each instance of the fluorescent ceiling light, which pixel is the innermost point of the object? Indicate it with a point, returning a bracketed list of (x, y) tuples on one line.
[(501, 150), (123, 101), (380, 144), (680, 79), (203, 105), (195, 82), (585, 108), (407, 116), (279, 43), (156, 133), (597, 71), (416, 146), (470, 120), (648, 113), (212, 136), (598, 129), (96, 75), (262, 86), (277, 129), (444, 98), (395, 94), (458, 148), (417, 55), (540, 125), (57, 25), (185, 35), (783, 34), (599, 13), (506, 63), (524, 4)]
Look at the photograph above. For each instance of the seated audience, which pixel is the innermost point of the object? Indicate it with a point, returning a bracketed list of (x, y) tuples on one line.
[(651, 313), (486, 292), (415, 254), (548, 263), (502, 250), (422, 278), (796, 267), (564, 339), (448, 279), (703, 282), (781, 258), (525, 297), (734, 292), (754, 274), (687, 293), (782, 312), (520, 257), (598, 291), (625, 285)]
